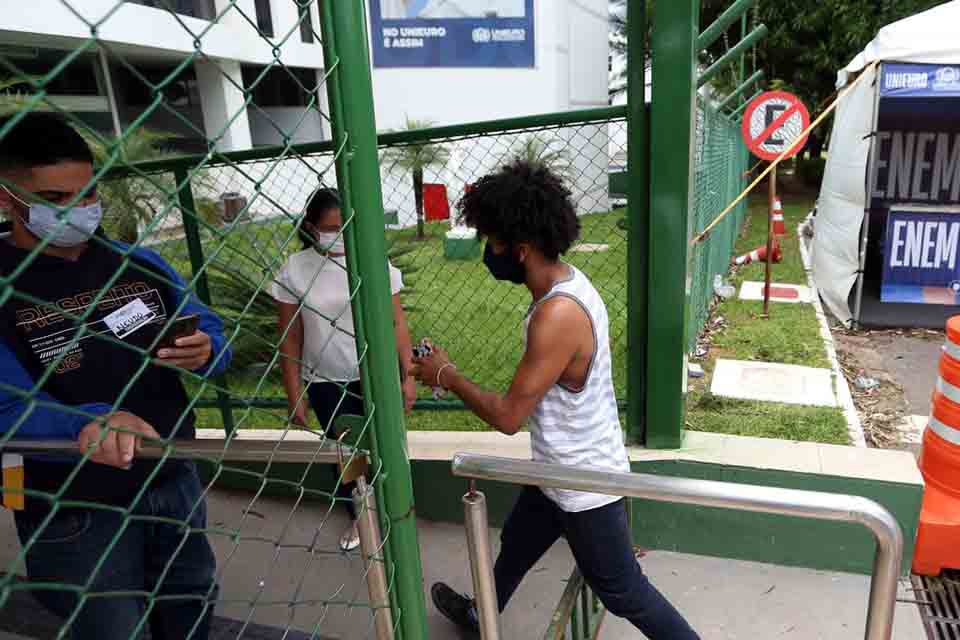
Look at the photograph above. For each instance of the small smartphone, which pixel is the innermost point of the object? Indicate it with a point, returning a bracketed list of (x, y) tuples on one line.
[(179, 328)]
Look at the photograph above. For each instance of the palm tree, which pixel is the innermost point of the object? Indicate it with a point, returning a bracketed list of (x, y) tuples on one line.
[(416, 157), (12, 100), (133, 200), (537, 152)]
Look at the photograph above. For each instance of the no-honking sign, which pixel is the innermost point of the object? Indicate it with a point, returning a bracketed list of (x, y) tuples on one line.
[(774, 122)]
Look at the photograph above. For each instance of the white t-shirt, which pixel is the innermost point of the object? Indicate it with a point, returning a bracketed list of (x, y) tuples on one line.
[(320, 282)]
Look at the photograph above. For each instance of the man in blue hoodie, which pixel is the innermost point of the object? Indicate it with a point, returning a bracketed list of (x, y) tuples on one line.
[(79, 325)]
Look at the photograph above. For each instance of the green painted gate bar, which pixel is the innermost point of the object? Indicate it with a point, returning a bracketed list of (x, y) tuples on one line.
[(356, 130), (671, 152), (712, 33), (638, 221)]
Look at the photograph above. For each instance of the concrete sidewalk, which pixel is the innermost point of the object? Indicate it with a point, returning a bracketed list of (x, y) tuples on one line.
[(288, 555)]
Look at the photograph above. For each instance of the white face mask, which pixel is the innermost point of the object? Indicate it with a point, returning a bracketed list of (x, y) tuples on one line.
[(330, 242), (44, 222)]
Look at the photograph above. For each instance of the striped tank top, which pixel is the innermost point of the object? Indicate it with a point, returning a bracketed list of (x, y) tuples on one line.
[(580, 428)]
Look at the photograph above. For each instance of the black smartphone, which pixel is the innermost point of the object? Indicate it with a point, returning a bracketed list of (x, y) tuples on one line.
[(179, 328)]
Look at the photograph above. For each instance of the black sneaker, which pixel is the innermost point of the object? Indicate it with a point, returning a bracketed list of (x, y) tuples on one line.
[(459, 609)]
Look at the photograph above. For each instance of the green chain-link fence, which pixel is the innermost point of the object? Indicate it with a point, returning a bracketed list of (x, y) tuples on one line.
[(448, 296), (720, 167), (223, 224), (133, 549)]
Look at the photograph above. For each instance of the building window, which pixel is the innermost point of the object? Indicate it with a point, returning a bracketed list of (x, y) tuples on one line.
[(202, 9), (281, 86), (306, 21), (264, 17), (181, 92)]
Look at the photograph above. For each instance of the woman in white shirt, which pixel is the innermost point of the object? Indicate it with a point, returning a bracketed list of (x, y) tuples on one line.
[(319, 349)]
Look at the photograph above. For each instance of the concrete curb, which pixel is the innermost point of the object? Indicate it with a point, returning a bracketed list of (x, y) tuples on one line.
[(840, 386)]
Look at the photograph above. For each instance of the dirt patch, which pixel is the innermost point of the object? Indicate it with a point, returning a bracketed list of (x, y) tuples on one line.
[(891, 376)]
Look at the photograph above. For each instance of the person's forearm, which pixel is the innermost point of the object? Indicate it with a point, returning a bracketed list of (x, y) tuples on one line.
[(487, 405), (291, 382), (404, 343)]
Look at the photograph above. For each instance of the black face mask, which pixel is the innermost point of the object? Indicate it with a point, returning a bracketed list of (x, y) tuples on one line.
[(503, 266)]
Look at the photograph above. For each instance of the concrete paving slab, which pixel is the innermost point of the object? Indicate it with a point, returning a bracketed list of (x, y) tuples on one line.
[(735, 600), (788, 293), (773, 382)]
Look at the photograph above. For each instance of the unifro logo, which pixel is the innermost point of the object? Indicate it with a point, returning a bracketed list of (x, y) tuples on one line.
[(947, 78), (482, 34)]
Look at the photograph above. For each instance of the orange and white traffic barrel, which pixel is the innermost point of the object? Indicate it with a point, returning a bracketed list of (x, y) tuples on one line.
[(938, 534), (779, 226)]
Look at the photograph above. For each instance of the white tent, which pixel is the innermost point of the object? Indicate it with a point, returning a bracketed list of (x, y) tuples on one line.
[(930, 37)]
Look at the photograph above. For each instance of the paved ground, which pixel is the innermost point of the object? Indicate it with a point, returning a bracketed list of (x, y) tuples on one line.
[(723, 599)]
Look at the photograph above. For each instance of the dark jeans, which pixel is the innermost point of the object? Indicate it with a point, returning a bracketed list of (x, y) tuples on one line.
[(328, 401), (175, 566), (603, 550)]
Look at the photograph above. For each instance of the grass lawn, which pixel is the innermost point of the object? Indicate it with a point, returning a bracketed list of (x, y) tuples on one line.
[(479, 321), (790, 336), (457, 305)]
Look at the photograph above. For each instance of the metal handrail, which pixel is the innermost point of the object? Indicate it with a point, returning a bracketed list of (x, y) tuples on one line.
[(317, 451), (725, 495)]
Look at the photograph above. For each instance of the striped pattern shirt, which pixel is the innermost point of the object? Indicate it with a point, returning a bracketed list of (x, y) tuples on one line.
[(581, 427)]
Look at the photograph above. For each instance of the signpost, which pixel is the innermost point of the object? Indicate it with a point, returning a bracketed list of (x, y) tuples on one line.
[(773, 122)]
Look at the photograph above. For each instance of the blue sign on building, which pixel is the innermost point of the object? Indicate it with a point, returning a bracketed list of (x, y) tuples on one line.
[(921, 261), (452, 33), (902, 80)]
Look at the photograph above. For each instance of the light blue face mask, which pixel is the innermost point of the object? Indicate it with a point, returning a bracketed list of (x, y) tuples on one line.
[(43, 221)]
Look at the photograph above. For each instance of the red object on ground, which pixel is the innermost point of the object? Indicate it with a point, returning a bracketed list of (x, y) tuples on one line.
[(783, 293), (435, 203), (779, 226), (939, 529), (759, 255)]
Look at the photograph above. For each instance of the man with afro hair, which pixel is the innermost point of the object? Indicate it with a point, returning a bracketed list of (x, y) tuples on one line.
[(563, 390)]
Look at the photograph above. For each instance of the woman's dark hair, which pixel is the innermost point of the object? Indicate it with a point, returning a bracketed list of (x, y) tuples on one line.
[(522, 202), (321, 202)]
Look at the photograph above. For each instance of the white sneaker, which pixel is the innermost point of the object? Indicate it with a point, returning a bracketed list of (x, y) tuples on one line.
[(350, 539)]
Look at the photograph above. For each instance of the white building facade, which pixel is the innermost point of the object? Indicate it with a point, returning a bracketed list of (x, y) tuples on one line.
[(141, 48)]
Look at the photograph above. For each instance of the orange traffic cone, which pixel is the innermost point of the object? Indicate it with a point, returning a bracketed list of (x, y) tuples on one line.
[(759, 255), (779, 227), (939, 527)]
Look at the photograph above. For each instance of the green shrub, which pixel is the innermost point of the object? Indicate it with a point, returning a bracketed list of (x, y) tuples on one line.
[(810, 170)]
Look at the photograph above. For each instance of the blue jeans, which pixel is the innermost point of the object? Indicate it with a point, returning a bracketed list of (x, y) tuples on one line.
[(603, 550), (147, 557)]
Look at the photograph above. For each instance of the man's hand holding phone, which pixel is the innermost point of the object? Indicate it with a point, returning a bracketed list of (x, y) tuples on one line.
[(183, 346), (122, 440)]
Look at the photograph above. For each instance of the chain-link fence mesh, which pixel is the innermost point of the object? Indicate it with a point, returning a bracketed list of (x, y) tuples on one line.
[(124, 542), (448, 295), (720, 167)]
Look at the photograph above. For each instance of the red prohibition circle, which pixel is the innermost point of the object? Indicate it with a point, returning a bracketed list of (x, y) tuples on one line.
[(795, 106)]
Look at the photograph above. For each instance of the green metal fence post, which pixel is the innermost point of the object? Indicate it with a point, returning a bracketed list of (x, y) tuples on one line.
[(671, 143), (373, 303), (731, 56), (188, 213), (638, 213)]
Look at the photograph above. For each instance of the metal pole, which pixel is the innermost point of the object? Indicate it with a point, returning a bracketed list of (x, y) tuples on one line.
[(350, 65), (772, 181), (724, 495), (236, 450), (710, 35), (739, 91), (638, 219), (672, 144), (188, 215), (481, 563), (733, 54), (736, 112), (111, 95), (865, 225), (370, 548)]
